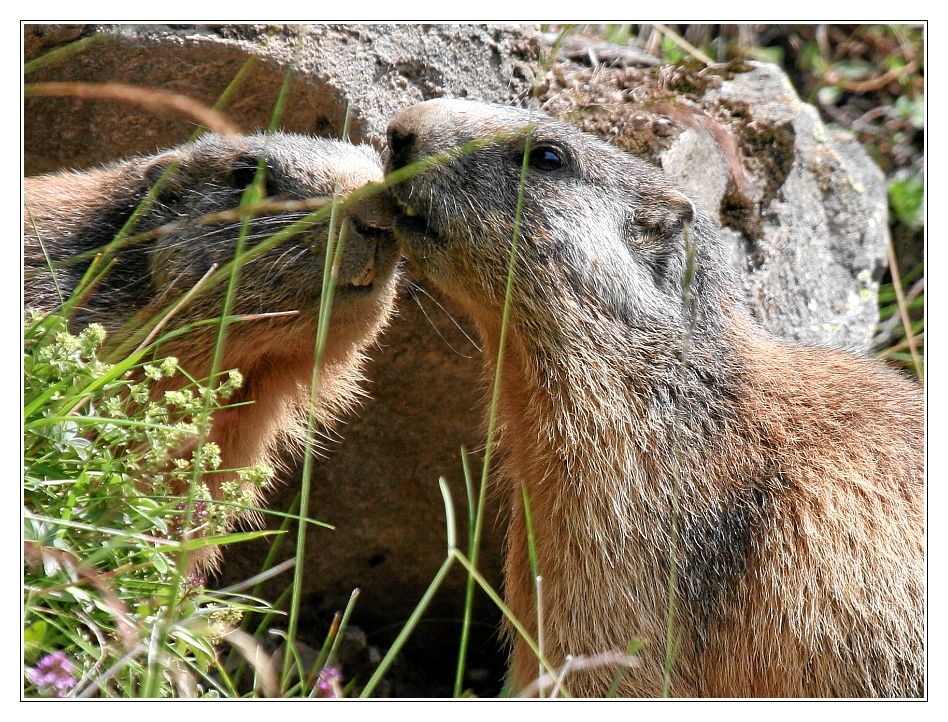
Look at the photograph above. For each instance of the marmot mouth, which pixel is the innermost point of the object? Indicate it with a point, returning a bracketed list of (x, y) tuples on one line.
[(367, 276), (379, 236), (379, 266), (361, 282)]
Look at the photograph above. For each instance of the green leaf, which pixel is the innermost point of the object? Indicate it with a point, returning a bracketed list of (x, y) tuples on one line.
[(853, 69), (201, 542), (772, 54), (79, 594), (829, 94), (893, 62), (160, 563), (906, 199), (912, 109), (671, 53), (617, 34), (34, 635)]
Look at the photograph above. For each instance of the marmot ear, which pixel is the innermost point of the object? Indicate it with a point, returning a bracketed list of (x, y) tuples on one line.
[(663, 210), (659, 215), (162, 171)]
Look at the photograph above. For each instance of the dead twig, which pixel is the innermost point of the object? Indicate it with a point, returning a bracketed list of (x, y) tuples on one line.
[(872, 84), (576, 664), (177, 307), (902, 345), (582, 49), (699, 120), (903, 309), (156, 100)]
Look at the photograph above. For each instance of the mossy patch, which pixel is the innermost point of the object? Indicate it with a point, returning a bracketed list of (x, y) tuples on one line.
[(639, 109), (643, 110)]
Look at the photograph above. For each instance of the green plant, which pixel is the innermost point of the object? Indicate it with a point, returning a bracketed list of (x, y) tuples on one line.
[(114, 510), (671, 51), (906, 201), (103, 528), (901, 337)]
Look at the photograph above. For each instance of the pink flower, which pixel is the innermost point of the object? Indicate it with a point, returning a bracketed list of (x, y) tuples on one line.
[(329, 682), (53, 675)]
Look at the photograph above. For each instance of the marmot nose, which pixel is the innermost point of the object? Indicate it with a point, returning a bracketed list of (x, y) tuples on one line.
[(401, 143)]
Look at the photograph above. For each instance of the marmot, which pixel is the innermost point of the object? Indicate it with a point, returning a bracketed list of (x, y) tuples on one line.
[(650, 419), (74, 213)]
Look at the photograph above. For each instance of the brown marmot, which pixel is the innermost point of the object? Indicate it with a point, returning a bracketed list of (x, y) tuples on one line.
[(654, 426), (69, 214)]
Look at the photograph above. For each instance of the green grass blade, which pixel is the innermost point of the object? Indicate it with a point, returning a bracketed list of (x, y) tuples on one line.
[(59, 54), (334, 245), (509, 615)]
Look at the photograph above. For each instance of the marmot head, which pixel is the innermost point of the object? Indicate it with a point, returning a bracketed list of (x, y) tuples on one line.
[(602, 233), (211, 175), (193, 224)]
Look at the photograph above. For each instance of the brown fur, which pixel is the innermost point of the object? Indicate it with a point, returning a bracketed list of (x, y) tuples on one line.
[(650, 419), (73, 212)]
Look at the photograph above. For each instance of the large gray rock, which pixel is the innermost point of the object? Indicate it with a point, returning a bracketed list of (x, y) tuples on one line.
[(813, 265), (810, 267), (372, 69)]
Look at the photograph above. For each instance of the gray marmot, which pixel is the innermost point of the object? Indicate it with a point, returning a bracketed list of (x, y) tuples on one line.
[(655, 426), (180, 239)]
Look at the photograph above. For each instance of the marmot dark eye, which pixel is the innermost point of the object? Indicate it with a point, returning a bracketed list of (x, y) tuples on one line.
[(546, 157), (244, 175), (245, 172)]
